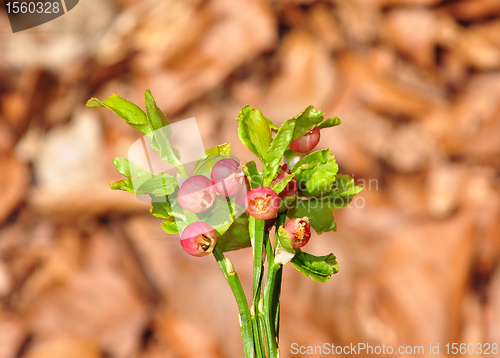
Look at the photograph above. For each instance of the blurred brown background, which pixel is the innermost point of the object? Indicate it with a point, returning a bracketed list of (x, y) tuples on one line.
[(87, 272)]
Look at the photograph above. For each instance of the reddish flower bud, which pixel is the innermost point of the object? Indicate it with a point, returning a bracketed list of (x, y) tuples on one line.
[(299, 231), (198, 239), (291, 187), (197, 194), (307, 142), (227, 177), (262, 203)]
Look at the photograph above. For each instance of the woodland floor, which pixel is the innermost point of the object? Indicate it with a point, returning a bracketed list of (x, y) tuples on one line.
[(87, 272)]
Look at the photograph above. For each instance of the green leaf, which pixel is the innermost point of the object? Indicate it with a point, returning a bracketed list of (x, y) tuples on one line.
[(316, 173), (170, 225), (319, 268), (133, 115), (124, 184), (252, 174), (219, 216), (344, 186), (161, 134), (221, 149), (237, 236), (330, 122), (342, 193), (305, 121), (254, 131), (273, 126), (213, 155), (284, 249), (128, 168), (204, 165), (284, 240), (155, 116), (278, 147), (292, 158), (154, 124), (141, 181), (161, 209), (278, 188), (157, 185), (319, 213)]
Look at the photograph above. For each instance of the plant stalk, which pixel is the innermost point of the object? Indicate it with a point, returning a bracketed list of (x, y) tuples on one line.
[(232, 279)]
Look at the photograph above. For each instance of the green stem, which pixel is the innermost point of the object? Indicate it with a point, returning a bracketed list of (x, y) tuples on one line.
[(270, 310), (257, 232), (245, 318), (269, 327), (257, 334)]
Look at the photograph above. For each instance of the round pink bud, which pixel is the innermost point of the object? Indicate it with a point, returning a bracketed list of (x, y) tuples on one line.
[(198, 239), (307, 142), (262, 203), (197, 194), (291, 187), (299, 231), (227, 177)]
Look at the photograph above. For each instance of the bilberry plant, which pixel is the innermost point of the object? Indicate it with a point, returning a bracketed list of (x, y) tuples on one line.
[(221, 205)]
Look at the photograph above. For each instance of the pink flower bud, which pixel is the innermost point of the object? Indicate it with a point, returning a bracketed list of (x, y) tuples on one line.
[(198, 239), (197, 194), (307, 142), (262, 203), (227, 177), (299, 231)]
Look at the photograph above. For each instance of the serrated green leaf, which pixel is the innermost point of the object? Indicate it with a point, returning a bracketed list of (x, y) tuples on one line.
[(141, 181), (254, 131), (319, 213), (306, 120), (132, 114), (128, 168), (344, 186), (155, 116), (161, 134), (157, 185), (342, 193), (319, 268), (277, 149), (154, 124), (316, 173), (330, 122)]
